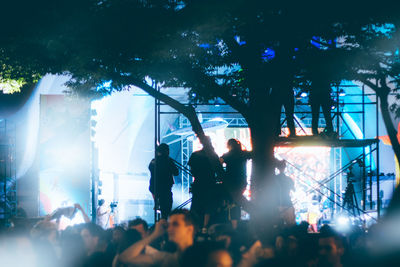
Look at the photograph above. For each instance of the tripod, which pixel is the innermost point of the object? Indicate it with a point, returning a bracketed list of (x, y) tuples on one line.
[(350, 200)]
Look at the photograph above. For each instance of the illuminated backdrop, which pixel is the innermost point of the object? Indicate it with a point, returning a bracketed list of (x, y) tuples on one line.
[(64, 150)]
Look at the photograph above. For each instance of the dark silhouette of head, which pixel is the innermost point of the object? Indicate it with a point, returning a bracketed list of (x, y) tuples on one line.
[(138, 221), (140, 225), (234, 145), (163, 150), (281, 165)]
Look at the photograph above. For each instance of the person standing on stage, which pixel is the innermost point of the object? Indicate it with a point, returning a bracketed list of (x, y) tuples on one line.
[(102, 214), (162, 169), (320, 97), (204, 185), (286, 185), (235, 180)]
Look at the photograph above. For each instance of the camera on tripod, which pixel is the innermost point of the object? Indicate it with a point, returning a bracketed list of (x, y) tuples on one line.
[(113, 205), (350, 175)]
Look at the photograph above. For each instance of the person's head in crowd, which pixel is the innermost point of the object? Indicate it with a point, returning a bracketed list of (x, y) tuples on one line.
[(182, 227), (330, 247), (209, 254), (101, 202), (131, 237), (221, 233), (287, 243), (234, 145), (163, 150), (118, 233), (303, 227), (93, 237), (219, 258), (140, 225)]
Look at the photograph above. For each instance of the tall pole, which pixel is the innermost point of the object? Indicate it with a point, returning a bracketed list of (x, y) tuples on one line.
[(93, 181), (378, 202), (93, 162), (364, 164), (156, 143)]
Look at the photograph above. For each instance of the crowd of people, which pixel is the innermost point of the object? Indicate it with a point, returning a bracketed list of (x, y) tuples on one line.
[(206, 235), (178, 241)]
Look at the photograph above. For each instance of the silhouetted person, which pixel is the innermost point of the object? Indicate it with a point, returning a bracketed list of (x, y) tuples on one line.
[(282, 86), (320, 96), (203, 188), (286, 185), (282, 95), (162, 169), (236, 166), (235, 180)]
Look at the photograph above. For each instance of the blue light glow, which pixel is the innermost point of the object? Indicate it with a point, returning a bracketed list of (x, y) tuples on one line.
[(104, 86), (268, 54), (204, 45)]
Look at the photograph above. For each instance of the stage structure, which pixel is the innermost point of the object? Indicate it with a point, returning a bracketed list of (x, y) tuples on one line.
[(353, 156), (8, 179)]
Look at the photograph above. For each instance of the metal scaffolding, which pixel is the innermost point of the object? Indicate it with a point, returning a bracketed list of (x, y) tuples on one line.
[(8, 179), (347, 101)]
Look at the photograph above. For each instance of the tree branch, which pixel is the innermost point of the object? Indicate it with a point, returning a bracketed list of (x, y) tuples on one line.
[(382, 92), (369, 84), (190, 113), (233, 102), (221, 92)]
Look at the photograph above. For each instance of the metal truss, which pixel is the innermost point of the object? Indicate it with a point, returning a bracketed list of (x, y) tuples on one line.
[(303, 115), (8, 179)]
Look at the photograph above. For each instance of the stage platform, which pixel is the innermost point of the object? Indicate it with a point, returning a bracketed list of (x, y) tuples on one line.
[(323, 141)]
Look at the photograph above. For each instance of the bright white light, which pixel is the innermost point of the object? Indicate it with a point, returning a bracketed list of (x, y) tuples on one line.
[(343, 221)]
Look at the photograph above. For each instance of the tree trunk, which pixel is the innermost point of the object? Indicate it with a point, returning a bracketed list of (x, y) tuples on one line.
[(383, 93), (391, 130), (263, 186), (394, 205)]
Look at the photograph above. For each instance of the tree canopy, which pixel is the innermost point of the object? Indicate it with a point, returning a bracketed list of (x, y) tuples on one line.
[(238, 51)]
